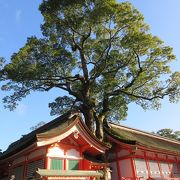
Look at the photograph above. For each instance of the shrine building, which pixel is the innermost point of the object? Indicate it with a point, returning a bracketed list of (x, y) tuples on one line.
[(65, 149)]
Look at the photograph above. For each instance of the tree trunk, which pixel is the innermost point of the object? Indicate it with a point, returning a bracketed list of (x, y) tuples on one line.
[(99, 128), (89, 118)]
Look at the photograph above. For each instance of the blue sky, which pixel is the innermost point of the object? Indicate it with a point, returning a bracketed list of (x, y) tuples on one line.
[(21, 19)]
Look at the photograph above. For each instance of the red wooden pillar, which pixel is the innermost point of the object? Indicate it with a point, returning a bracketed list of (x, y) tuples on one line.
[(81, 160), (117, 165), (65, 160), (160, 169), (46, 159), (25, 167), (178, 167), (147, 164), (167, 160), (133, 167), (170, 169)]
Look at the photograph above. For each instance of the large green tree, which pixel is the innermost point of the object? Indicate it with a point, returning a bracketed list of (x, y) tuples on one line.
[(99, 51), (169, 133)]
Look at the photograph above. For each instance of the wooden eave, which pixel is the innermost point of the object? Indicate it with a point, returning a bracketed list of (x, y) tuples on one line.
[(77, 126)]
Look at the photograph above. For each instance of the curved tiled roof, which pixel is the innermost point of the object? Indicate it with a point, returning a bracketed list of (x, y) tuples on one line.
[(121, 133), (50, 130), (31, 138), (137, 137)]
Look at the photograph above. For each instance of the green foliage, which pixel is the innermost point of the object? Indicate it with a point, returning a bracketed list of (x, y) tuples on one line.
[(61, 105), (169, 133), (99, 51)]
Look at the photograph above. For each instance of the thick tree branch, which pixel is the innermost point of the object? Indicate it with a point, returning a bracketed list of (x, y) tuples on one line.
[(139, 71), (118, 92), (81, 51), (84, 65)]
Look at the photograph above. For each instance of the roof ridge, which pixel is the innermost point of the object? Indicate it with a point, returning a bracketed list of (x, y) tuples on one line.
[(145, 133)]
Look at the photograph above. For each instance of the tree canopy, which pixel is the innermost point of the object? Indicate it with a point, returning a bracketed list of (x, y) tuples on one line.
[(169, 133), (99, 51)]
